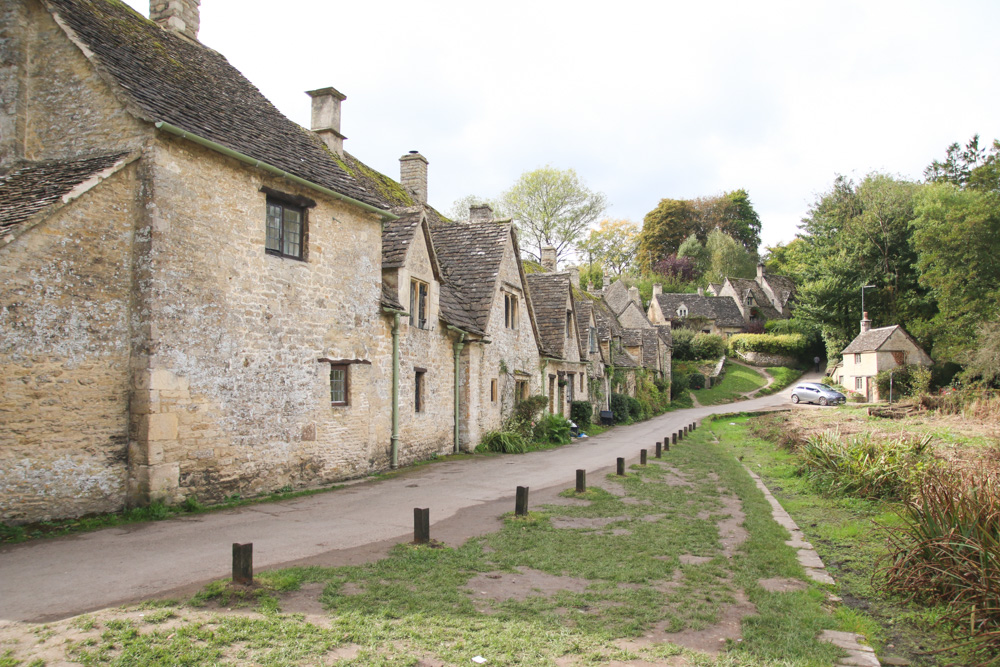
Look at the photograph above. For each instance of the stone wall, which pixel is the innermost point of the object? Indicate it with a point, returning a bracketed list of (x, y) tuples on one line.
[(232, 397), (65, 313), (764, 359)]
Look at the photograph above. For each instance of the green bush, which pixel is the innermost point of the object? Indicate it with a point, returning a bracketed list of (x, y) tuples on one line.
[(789, 345), (580, 413), (619, 408), (682, 339), (909, 380), (528, 409), (634, 409), (696, 381), (679, 383), (505, 442), (552, 429), (707, 346)]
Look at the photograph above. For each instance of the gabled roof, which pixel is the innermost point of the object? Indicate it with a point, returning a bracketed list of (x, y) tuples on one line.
[(721, 309), (650, 348), (622, 358), (782, 287), (871, 340), (761, 301), (607, 323), (398, 236), (389, 299), (549, 294), (632, 337), (616, 296), (28, 188), (583, 307), (163, 77), (666, 334)]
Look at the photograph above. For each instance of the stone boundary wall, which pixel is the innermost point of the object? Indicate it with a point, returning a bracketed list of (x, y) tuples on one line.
[(763, 359)]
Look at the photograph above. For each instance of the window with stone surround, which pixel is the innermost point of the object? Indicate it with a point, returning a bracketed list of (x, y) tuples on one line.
[(418, 389), (520, 389), (418, 304), (510, 310), (286, 227), (339, 384)]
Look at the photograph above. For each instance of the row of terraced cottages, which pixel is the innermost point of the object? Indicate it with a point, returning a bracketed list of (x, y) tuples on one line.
[(200, 298)]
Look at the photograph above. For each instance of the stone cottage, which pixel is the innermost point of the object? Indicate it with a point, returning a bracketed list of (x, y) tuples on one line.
[(875, 350)]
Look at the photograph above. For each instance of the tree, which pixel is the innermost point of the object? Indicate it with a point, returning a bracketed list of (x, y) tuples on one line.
[(460, 207), (732, 213), (972, 166), (613, 244), (728, 258), (695, 250), (789, 259), (551, 207), (664, 229)]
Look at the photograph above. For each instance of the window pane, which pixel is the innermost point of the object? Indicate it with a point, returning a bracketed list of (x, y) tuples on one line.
[(273, 227), (413, 302), (338, 384), (292, 232)]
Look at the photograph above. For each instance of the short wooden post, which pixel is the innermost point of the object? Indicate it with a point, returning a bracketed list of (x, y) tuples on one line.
[(243, 563), (659, 450), (521, 502), (642, 457), (421, 525), (621, 466), (581, 481)]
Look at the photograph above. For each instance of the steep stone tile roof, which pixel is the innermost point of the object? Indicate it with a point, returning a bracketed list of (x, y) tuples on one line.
[(164, 77), (632, 337), (28, 188), (616, 296), (650, 348), (389, 299), (583, 307), (782, 287), (549, 292), (470, 254), (607, 324), (761, 301), (722, 309), (622, 359), (870, 340), (666, 334), (397, 235)]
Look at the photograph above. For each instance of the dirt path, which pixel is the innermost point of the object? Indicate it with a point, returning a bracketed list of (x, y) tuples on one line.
[(52, 579)]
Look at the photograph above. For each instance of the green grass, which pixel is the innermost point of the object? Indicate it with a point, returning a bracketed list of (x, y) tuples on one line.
[(737, 381), (783, 377), (416, 604)]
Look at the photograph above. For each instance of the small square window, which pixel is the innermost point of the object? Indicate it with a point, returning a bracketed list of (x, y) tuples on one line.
[(285, 229), (339, 384), (418, 390), (418, 304)]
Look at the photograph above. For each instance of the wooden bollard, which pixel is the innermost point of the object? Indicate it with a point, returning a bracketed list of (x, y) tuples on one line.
[(659, 450), (581, 481), (621, 467), (421, 525), (243, 563), (642, 457), (521, 502)]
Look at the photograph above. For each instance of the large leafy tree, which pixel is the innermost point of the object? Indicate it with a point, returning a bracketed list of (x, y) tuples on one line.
[(613, 244), (664, 229), (728, 258), (732, 213), (551, 207)]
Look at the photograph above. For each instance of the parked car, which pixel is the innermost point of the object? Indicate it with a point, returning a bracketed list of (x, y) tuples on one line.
[(814, 392)]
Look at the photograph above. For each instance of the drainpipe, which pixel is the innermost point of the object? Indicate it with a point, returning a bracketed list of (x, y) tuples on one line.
[(458, 345), (394, 447)]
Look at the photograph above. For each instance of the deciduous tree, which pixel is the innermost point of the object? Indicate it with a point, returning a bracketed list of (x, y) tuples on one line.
[(664, 229), (613, 244)]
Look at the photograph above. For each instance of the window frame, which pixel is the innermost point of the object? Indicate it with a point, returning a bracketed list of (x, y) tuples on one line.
[(284, 205), (859, 383), (419, 389), (493, 390), (510, 311), (346, 389), (419, 300), (857, 357)]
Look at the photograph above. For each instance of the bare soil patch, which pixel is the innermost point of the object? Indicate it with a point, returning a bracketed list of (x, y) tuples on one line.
[(782, 585), (520, 585), (731, 531), (707, 640), (581, 522)]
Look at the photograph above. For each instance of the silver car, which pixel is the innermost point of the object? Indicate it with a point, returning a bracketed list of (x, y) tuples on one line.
[(814, 392)]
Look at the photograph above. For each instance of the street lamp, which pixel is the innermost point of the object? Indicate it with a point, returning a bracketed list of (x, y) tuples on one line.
[(863, 299)]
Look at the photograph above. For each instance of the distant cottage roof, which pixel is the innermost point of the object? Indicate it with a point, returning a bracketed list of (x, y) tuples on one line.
[(164, 77), (722, 310), (28, 188), (782, 286), (871, 340), (761, 301), (583, 307), (650, 348)]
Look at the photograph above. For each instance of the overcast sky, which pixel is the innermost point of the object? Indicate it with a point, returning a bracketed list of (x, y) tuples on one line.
[(645, 100)]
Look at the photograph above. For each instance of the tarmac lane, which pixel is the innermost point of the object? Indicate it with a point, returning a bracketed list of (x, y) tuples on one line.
[(46, 580)]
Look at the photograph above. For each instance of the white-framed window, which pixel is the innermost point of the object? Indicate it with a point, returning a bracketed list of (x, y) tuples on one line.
[(857, 358), (682, 311), (859, 383)]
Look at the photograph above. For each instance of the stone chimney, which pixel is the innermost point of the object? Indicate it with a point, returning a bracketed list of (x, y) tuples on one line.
[(549, 259), (574, 276), (590, 287), (633, 294), (760, 272), (866, 324), (180, 16), (657, 289), (413, 175), (701, 291), (326, 117), (480, 213), (607, 281)]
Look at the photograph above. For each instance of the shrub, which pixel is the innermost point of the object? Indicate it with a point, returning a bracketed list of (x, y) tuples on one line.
[(679, 383), (682, 339), (634, 409), (580, 412), (528, 409), (505, 442), (866, 466), (708, 346), (619, 408), (552, 429), (909, 380), (789, 345), (696, 381), (948, 552)]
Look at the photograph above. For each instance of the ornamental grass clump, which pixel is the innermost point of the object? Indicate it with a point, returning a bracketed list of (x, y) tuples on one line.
[(503, 442), (866, 466), (948, 552)]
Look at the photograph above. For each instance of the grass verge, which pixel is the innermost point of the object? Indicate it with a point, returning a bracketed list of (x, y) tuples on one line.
[(737, 381)]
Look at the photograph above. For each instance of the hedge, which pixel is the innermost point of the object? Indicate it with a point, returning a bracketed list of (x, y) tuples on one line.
[(789, 345), (581, 412)]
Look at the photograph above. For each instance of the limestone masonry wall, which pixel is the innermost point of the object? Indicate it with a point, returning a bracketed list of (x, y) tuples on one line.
[(65, 293)]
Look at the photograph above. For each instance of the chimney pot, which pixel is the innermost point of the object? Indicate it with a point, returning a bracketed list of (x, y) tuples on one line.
[(480, 213), (866, 324), (701, 291), (549, 262), (633, 294), (574, 277), (607, 281), (413, 175), (326, 117), (180, 16), (657, 289)]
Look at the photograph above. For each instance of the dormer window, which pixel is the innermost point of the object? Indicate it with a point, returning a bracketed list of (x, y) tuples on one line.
[(418, 304), (682, 311), (749, 299)]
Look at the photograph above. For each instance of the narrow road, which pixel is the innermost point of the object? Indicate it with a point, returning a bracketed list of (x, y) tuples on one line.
[(51, 579)]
